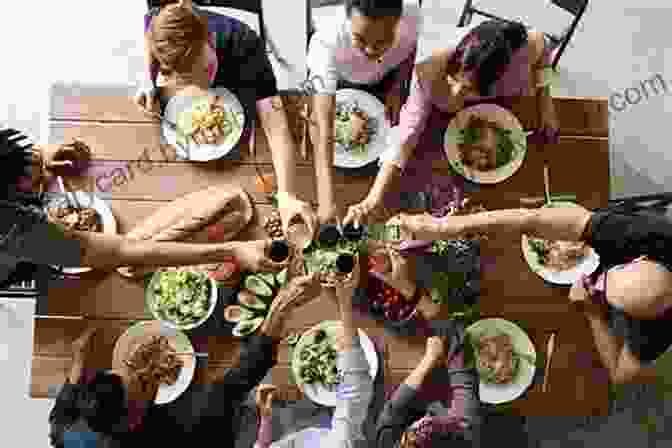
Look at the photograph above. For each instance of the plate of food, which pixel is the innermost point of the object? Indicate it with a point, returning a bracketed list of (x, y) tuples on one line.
[(209, 125), (360, 129), (314, 361), (254, 301), (93, 216), (485, 144), (505, 359), (181, 298), (156, 352), (559, 262)]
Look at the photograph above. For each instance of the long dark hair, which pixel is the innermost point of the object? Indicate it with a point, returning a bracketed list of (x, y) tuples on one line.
[(487, 49), (103, 402), (375, 9)]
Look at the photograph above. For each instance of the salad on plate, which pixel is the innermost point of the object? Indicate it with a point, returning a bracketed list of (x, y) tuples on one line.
[(181, 296), (208, 123), (354, 128)]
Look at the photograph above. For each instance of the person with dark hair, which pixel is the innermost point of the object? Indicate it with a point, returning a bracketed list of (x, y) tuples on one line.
[(188, 48), (494, 59), (416, 416), (116, 408), (25, 232), (370, 45), (627, 300)]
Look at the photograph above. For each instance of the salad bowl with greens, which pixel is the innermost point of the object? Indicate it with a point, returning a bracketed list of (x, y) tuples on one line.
[(181, 298), (314, 361)]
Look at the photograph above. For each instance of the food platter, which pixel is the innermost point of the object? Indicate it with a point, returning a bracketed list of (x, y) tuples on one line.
[(379, 128), (319, 393), (179, 111), (504, 121), (587, 265), (87, 200), (501, 393), (151, 298), (140, 333)]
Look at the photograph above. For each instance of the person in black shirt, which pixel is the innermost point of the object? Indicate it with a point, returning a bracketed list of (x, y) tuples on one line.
[(628, 301), (107, 406)]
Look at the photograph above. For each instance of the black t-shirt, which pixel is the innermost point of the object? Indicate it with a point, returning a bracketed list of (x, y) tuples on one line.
[(244, 67), (619, 238)]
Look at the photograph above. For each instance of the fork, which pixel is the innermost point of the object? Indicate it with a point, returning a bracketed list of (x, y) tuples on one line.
[(163, 118)]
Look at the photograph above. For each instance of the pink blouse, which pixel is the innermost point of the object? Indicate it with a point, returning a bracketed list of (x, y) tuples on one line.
[(416, 113)]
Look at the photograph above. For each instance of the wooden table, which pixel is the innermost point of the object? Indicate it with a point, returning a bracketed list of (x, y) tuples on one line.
[(140, 176)]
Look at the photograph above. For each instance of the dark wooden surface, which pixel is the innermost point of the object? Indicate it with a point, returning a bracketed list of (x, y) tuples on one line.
[(119, 134)]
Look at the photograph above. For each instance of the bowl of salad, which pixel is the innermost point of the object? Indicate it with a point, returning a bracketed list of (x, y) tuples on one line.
[(181, 298)]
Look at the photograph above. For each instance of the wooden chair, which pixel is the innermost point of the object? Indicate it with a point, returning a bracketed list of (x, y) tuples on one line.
[(574, 7)]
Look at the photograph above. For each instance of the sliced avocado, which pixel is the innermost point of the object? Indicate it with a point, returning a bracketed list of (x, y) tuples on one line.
[(249, 299), (268, 278), (235, 313), (258, 285), (247, 327), (282, 278)]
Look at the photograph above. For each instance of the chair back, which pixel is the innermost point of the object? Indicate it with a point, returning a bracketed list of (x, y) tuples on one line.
[(574, 7)]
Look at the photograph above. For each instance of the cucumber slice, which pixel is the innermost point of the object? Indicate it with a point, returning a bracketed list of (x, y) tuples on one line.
[(247, 327), (257, 285), (268, 278)]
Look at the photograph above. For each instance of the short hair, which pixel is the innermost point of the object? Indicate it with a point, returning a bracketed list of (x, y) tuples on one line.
[(103, 402), (375, 8), (487, 49), (176, 37)]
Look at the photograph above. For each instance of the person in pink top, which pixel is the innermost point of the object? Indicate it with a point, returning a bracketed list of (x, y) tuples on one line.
[(494, 60), (369, 46)]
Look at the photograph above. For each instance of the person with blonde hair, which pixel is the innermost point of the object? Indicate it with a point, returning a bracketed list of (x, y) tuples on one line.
[(189, 49)]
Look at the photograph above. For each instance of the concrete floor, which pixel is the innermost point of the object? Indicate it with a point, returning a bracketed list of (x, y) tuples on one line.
[(618, 45)]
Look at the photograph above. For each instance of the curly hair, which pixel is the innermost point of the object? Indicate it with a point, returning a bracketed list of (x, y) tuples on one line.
[(176, 38), (487, 50)]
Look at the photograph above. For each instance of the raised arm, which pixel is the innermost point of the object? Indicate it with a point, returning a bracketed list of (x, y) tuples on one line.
[(562, 223)]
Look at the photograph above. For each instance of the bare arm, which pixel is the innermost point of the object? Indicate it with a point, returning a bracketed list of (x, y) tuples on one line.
[(323, 141), (283, 148), (566, 223)]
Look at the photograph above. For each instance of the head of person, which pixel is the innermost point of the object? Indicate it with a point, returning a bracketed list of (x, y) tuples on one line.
[(374, 25), (482, 57), (178, 42), (642, 288)]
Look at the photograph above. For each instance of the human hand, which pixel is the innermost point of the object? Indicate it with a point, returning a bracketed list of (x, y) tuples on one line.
[(147, 100), (363, 212), (436, 348), (393, 107), (402, 275), (328, 213), (344, 290), (290, 208), (297, 293), (83, 345), (253, 256), (264, 399), (580, 298)]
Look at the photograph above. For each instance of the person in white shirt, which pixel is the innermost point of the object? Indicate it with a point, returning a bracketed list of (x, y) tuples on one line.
[(354, 393), (370, 45)]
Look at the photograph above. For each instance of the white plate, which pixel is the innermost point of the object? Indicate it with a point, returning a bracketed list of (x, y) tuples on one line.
[(137, 334), (318, 393), (374, 108), (202, 153), (505, 120), (502, 393), (86, 199), (149, 295), (587, 266)]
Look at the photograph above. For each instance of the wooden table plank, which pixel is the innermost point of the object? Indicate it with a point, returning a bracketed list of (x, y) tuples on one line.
[(89, 104)]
